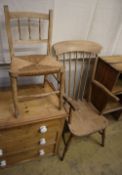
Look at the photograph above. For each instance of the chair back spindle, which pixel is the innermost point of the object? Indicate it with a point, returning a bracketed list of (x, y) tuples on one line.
[(78, 58), (18, 19)]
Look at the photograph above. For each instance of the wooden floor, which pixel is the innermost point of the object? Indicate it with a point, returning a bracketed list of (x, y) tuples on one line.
[(83, 157)]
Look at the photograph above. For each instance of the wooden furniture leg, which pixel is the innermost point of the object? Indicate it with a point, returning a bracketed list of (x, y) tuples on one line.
[(103, 137), (14, 95), (66, 146)]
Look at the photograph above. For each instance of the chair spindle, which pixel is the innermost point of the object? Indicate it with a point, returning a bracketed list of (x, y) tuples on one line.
[(75, 74), (29, 28), (19, 29), (69, 84), (39, 29)]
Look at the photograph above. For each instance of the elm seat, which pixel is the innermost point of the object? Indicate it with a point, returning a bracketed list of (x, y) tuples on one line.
[(87, 117)]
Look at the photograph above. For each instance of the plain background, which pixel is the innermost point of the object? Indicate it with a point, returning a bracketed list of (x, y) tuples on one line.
[(96, 20)]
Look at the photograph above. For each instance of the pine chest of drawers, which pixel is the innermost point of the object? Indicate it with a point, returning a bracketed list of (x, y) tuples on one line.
[(34, 134)]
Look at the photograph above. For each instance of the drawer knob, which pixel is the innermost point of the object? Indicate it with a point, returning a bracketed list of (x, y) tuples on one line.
[(3, 163), (42, 152), (43, 129), (1, 152), (42, 141)]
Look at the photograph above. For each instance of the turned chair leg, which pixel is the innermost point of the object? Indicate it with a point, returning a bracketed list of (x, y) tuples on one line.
[(66, 146), (103, 137), (14, 95)]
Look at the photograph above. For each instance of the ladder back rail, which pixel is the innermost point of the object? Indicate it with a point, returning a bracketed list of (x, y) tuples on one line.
[(28, 16), (77, 65)]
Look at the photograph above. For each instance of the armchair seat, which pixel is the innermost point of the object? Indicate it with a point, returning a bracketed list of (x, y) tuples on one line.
[(88, 117), (34, 65)]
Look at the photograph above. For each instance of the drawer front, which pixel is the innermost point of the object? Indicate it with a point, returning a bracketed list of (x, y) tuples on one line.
[(13, 147), (25, 156), (29, 136)]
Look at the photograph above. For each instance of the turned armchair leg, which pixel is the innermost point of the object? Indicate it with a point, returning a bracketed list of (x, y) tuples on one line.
[(66, 146), (14, 95), (103, 137)]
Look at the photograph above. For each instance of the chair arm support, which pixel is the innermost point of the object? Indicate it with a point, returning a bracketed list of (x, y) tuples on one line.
[(70, 102), (109, 93)]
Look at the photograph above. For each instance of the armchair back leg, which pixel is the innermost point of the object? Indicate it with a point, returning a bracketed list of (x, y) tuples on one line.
[(66, 146)]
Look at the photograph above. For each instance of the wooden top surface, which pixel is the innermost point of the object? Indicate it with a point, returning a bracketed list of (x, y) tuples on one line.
[(77, 45), (30, 111), (114, 61)]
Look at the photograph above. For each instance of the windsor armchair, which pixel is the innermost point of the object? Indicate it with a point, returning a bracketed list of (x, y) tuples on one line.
[(39, 32), (78, 58)]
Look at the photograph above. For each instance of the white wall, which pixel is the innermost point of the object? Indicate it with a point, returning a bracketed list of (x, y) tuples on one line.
[(97, 20)]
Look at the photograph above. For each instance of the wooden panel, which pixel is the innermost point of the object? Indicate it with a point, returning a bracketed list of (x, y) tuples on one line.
[(109, 76), (105, 74), (98, 98), (30, 42), (28, 155)]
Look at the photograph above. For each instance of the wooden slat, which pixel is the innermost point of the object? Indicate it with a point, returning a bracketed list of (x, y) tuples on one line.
[(29, 15), (36, 96), (30, 42)]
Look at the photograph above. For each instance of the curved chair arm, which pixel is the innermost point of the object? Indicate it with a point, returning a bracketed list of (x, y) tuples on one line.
[(70, 102), (109, 93)]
